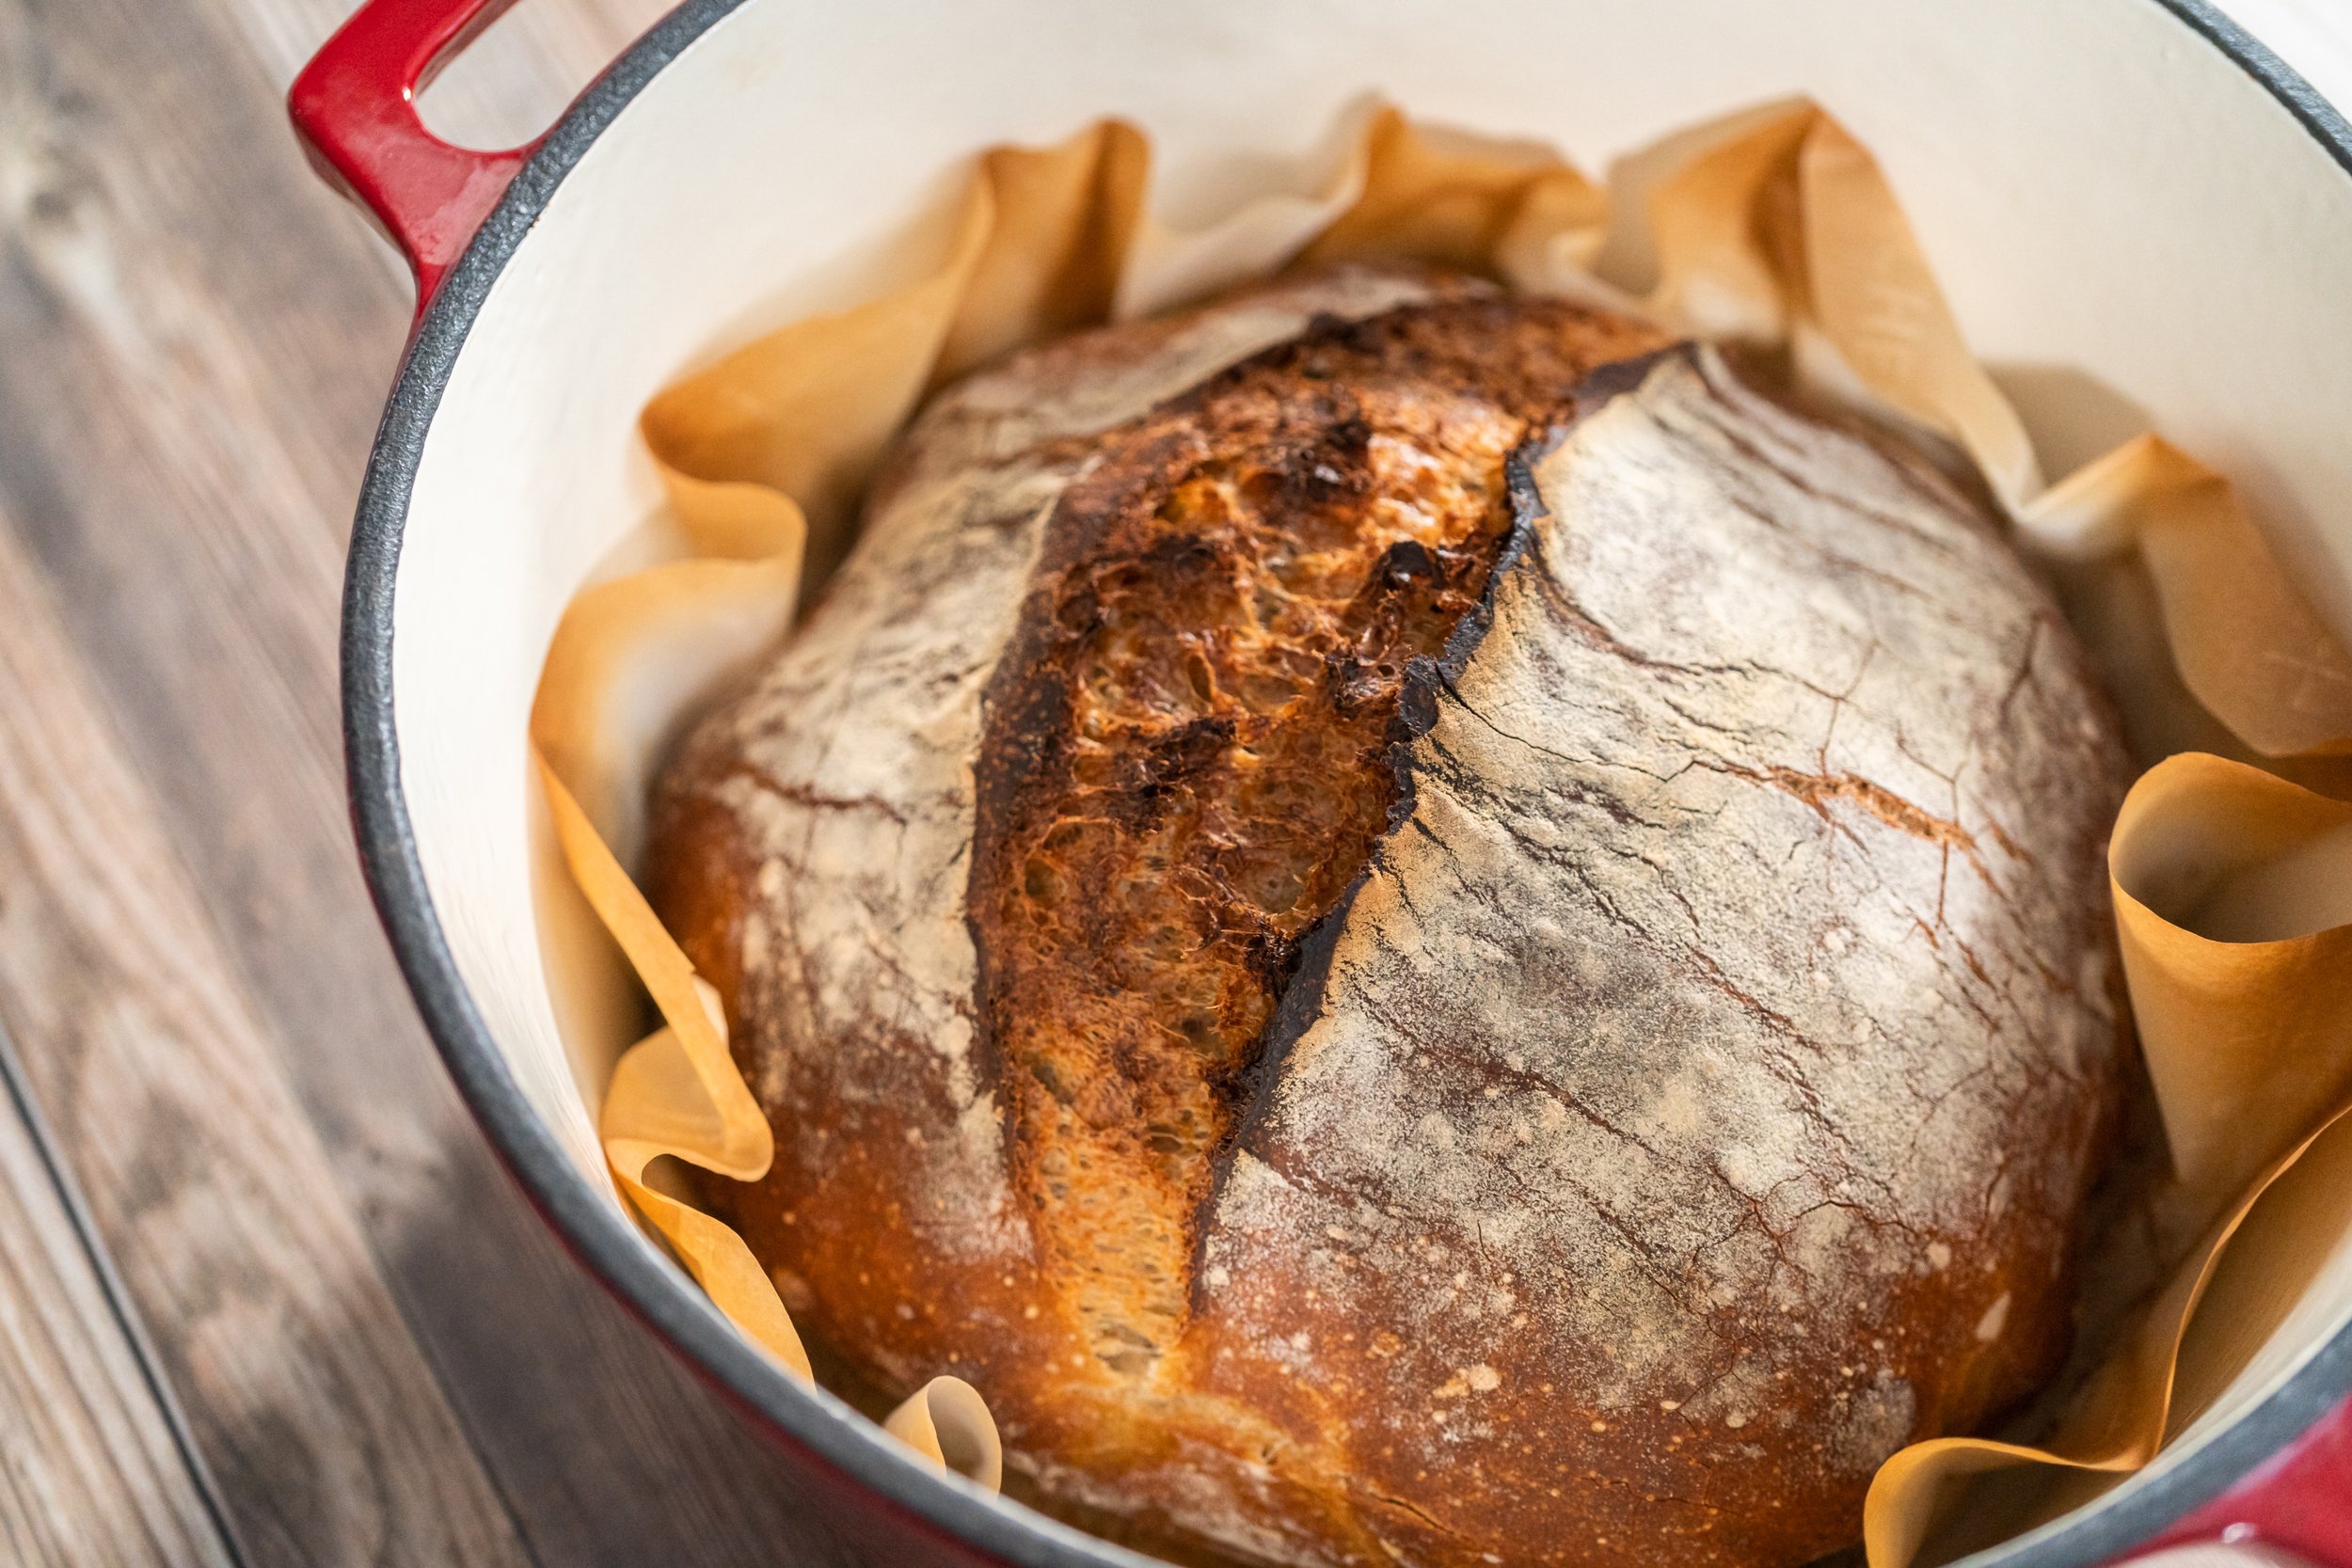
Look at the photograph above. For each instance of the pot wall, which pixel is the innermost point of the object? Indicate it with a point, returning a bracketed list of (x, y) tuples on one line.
[(2110, 203)]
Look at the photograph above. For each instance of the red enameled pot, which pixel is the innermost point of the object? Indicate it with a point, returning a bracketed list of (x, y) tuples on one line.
[(2118, 194)]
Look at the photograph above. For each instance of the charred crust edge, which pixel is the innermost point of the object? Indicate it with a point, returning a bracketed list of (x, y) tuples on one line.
[(1300, 1002)]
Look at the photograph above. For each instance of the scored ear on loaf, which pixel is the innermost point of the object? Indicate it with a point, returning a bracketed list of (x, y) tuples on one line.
[(1419, 929)]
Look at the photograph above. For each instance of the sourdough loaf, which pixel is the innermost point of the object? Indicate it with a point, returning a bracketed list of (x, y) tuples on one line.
[(1419, 929)]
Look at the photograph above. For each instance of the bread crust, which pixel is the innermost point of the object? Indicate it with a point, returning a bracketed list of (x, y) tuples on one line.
[(1384, 1016)]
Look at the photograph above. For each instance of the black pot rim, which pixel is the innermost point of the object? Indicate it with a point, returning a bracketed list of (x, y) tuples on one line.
[(819, 1426)]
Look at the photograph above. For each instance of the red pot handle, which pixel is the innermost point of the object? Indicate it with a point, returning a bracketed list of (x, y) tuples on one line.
[(355, 108)]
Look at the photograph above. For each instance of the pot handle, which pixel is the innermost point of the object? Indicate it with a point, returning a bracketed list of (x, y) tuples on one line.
[(354, 108)]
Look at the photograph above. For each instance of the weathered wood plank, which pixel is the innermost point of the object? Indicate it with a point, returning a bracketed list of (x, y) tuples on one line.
[(306, 1396), (199, 337), (90, 1470)]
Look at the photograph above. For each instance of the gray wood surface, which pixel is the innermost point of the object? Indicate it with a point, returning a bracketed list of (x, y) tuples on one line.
[(92, 1469), (265, 1298), (381, 1354)]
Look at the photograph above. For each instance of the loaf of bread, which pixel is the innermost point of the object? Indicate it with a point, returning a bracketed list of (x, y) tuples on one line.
[(1420, 931)]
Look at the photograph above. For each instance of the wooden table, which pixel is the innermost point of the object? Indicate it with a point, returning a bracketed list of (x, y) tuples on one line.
[(265, 1298)]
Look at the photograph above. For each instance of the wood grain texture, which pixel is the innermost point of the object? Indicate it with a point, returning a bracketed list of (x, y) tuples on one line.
[(308, 1398), (90, 1470), (198, 338)]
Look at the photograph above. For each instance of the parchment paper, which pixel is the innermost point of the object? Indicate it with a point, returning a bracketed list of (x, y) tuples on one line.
[(1779, 233)]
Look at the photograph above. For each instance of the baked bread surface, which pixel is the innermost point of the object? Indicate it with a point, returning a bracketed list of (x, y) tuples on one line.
[(1389, 1001)]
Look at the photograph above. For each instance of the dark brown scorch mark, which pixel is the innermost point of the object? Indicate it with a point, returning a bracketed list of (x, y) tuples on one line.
[(1186, 763), (1817, 790)]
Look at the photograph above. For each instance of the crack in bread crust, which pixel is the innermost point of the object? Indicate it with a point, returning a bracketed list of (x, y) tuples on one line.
[(1699, 1091), (1186, 761), (1597, 1080)]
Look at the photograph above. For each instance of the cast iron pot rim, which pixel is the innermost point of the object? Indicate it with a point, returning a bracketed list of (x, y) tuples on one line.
[(816, 1424)]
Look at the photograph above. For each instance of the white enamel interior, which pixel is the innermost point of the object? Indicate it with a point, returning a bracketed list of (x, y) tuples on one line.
[(2104, 194)]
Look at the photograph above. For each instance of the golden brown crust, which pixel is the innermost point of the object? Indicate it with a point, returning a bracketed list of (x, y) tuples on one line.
[(1006, 866), (1187, 761)]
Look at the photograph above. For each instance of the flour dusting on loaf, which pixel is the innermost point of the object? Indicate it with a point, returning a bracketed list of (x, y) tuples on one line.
[(1413, 950), (847, 770), (1722, 1037)]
